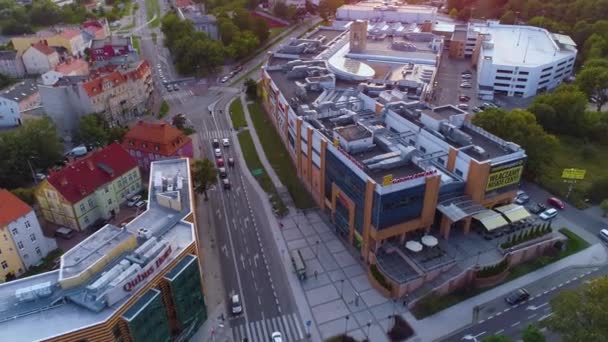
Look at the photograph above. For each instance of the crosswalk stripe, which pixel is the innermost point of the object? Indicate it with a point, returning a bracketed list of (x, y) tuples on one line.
[(235, 333), (292, 326), (264, 331), (297, 323), (289, 335), (242, 331), (275, 326), (258, 330)]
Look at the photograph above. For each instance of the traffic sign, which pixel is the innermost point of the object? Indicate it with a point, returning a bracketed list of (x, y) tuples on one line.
[(574, 174), (257, 172)]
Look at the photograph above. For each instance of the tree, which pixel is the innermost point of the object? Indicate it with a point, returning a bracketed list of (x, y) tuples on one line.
[(579, 314), (251, 88), (25, 194), (36, 141), (508, 18), (328, 8), (569, 104), (204, 174), (92, 131), (280, 9), (179, 121), (164, 109), (496, 338), (532, 334), (259, 27), (594, 82), (604, 207), (520, 126)]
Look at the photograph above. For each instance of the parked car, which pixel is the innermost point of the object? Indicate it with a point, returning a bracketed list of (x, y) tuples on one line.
[(604, 234), (537, 208), (217, 152), (556, 203), (133, 200), (64, 233), (175, 87), (517, 296), (466, 85), (467, 72), (226, 184), (276, 337), (231, 162), (220, 162), (548, 214), (215, 143), (522, 197), (237, 308), (464, 98), (226, 142), (222, 172), (476, 110), (463, 106), (141, 204), (225, 79), (466, 76), (40, 176)]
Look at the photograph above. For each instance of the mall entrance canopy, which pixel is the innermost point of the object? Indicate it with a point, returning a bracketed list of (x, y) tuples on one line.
[(491, 220), (513, 212)]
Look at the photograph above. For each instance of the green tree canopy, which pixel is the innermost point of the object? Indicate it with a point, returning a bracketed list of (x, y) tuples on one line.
[(496, 338), (532, 334), (520, 127), (203, 175), (508, 17), (92, 131), (580, 314), (594, 82), (569, 104), (327, 8)]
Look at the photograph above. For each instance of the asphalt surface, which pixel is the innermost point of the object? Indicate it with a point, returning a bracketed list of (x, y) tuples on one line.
[(499, 318)]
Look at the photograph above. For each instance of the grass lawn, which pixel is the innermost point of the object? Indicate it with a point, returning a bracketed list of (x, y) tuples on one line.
[(279, 157), (236, 114), (594, 159), (432, 304), (152, 8), (275, 31), (136, 43), (254, 163)]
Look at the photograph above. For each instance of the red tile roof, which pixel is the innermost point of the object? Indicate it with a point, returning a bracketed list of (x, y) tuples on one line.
[(11, 207), (43, 47), (95, 86), (168, 138), (72, 65), (183, 3), (83, 176), (69, 33)]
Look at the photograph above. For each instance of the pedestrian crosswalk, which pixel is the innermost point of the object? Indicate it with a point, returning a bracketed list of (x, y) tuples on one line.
[(288, 325), (178, 95), (216, 134)]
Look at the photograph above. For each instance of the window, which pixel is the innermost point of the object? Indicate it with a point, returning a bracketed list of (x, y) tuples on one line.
[(27, 224), (156, 148), (545, 75), (520, 86), (20, 245), (558, 76), (502, 71), (524, 73), (107, 189), (522, 79), (15, 231), (560, 69), (91, 203), (543, 82), (458, 172), (82, 207), (4, 265), (38, 251), (441, 161), (109, 201), (561, 63), (33, 237), (503, 78), (546, 69), (501, 84), (86, 220), (422, 149)]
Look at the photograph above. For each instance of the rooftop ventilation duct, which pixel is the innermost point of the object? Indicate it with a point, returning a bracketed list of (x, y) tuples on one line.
[(454, 134)]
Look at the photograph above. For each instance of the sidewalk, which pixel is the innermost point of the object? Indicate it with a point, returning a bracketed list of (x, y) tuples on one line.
[(454, 318)]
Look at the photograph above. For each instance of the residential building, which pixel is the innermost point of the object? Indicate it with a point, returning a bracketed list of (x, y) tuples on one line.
[(89, 188), (95, 29), (202, 22), (381, 11), (120, 92), (16, 100), (385, 166), (40, 58), (23, 244), (519, 60), (71, 67), (11, 64), (69, 38), (140, 282), (110, 47), (150, 141)]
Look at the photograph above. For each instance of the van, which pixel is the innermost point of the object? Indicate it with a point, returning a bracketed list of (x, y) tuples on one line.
[(237, 308), (64, 233), (604, 234)]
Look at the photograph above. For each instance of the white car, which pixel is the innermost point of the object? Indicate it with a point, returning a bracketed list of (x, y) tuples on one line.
[(225, 79), (237, 308), (218, 152), (463, 106), (141, 204), (276, 337), (133, 200), (548, 214), (226, 142)]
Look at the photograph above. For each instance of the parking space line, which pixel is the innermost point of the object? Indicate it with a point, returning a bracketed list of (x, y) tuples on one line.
[(499, 332), (515, 324)]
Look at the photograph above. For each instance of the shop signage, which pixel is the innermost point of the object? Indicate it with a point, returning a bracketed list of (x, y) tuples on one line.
[(577, 174), (505, 175)]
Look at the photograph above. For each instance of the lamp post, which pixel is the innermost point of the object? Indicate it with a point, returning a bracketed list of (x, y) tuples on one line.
[(346, 325), (341, 288), (317, 249), (369, 324)]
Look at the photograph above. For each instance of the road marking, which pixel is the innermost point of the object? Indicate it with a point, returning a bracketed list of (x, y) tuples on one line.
[(560, 285), (259, 300), (532, 316), (567, 282), (499, 332), (483, 320), (515, 324), (507, 309), (546, 292), (553, 288), (545, 316), (498, 314), (489, 318)]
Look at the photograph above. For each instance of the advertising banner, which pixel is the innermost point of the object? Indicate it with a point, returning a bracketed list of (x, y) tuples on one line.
[(505, 175)]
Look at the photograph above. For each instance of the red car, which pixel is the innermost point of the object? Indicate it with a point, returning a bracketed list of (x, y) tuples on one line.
[(556, 203), (220, 162)]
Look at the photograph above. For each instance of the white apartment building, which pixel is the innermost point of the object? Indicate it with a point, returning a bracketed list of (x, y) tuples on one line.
[(522, 61)]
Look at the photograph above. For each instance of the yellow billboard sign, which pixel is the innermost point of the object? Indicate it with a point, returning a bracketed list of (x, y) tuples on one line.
[(574, 174), (336, 142), (505, 175), (387, 180)]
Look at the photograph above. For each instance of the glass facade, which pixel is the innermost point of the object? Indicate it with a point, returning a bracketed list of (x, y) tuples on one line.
[(147, 319), (348, 182), (187, 294), (397, 207)]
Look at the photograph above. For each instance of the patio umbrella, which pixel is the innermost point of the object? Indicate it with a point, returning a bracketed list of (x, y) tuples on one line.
[(429, 241), (413, 246)]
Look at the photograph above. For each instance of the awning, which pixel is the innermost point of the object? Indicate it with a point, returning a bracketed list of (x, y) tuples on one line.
[(513, 212), (491, 220)]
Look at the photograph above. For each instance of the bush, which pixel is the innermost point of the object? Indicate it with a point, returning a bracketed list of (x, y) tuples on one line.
[(164, 109), (401, 330), (492, 270), (380, 277), (188, 130), (25, 194)]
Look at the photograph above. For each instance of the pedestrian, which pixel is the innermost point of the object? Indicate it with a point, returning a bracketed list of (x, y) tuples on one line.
[(316, 274), (281, 225)]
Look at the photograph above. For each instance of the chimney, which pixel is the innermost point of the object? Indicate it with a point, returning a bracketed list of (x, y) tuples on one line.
[(90, 164)]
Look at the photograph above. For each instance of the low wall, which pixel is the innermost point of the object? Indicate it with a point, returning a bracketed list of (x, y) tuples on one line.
[(375, 284)]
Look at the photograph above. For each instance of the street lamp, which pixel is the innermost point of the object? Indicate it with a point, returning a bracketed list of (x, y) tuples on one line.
[(346, 325), (341, 288), (369, 324), (317, 249)]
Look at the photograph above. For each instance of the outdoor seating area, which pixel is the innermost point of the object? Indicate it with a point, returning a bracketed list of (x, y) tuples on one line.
[(505, 231), (392, 264)]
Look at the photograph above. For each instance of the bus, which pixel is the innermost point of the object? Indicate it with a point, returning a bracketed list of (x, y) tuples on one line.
[(298, 263)]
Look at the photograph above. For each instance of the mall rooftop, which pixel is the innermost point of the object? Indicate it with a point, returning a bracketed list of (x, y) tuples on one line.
[(89, 286)]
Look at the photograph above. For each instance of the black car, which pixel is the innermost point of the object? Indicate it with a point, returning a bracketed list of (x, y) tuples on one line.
[(537, 208), (517, 296), (215, 143), (231, 162)]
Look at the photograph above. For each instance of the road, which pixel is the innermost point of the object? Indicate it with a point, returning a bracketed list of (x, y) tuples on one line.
[(249, 261), (497, 317)]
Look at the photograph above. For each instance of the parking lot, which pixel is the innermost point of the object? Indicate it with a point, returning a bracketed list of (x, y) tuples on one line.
[(449, 78)]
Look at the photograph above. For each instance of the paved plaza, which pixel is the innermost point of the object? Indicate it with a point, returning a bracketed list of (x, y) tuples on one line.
[(337, 289)]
